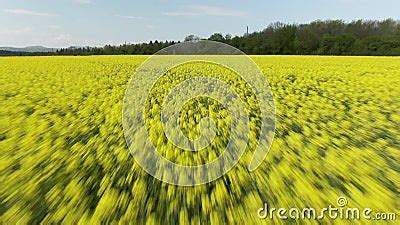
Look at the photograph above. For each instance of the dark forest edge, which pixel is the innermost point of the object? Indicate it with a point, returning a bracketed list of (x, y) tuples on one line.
[(330, 37)]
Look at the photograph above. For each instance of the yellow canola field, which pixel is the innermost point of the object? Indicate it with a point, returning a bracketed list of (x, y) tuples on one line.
[(63, 156)]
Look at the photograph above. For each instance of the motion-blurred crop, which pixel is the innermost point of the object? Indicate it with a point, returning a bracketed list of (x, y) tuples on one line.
[(64, 156)]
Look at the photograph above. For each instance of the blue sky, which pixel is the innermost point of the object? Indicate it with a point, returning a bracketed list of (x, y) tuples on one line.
[(61, 23)]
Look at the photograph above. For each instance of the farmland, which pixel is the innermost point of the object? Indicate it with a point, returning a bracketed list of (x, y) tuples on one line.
[(64, 157)]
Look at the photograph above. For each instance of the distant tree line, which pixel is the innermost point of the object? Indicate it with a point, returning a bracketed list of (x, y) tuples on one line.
[(125, 49), (330, 37)]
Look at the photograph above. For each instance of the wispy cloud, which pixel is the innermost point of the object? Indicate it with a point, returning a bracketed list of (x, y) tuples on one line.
[(83, 1), (25, 12), (54, 27), (130, 17), (62, 38), (16, 31), (205, 10), (181, 14), (150, 27), (36, 35)]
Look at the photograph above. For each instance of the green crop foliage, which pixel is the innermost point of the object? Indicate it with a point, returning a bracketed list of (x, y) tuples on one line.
[(64, 157)]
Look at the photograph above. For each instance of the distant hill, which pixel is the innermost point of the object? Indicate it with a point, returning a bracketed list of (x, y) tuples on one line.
[(29, 49)]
